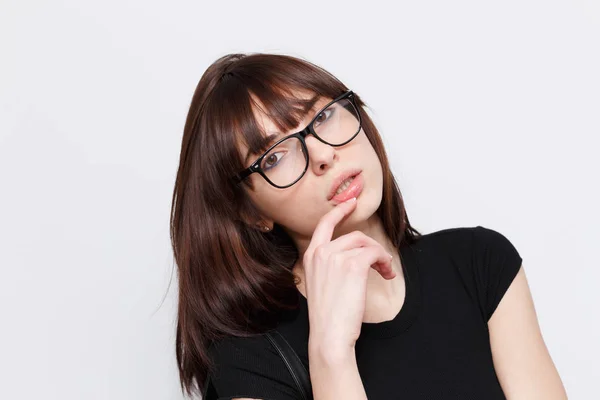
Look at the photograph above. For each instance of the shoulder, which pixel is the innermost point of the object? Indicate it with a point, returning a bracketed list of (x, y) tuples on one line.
[(229, 345), (468, 241), (250, 367), (484, 259), (232, 355), (450, 244)]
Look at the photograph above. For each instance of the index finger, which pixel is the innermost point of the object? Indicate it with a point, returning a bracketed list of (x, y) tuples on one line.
[(326, 225)]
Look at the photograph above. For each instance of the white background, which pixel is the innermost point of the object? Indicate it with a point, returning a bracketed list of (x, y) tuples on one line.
[(490, 111)]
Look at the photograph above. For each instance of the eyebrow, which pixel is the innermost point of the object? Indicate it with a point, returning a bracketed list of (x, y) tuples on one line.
[(268, 140)]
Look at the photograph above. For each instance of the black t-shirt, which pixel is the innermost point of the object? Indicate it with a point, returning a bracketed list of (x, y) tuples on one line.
[(437, 346)]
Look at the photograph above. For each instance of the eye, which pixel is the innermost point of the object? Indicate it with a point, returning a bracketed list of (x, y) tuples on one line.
[(271, 160), (323, 116)]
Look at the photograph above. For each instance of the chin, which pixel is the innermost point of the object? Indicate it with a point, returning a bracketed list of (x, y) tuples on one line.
[(370, 204), (367, 204)]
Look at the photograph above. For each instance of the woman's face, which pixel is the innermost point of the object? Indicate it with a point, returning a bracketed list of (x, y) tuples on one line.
[(298, 208)]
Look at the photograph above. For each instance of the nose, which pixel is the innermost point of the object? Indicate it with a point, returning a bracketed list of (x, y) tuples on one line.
[(321, 155)]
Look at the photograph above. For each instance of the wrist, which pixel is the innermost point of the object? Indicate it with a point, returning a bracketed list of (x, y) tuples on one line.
[(331, 354)]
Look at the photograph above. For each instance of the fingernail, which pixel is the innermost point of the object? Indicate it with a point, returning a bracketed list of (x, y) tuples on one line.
[(351, 200)]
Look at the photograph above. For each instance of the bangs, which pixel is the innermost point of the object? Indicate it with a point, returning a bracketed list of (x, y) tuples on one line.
[(286, 113), (281, 106), (283, 90)]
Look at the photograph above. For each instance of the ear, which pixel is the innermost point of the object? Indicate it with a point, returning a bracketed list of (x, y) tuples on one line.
[(260, 224), (264, 226)]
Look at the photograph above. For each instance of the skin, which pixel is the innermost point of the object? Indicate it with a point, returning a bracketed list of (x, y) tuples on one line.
[(523, 364), (300, 207)]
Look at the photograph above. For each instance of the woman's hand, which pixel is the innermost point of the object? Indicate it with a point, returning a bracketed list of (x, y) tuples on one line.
[(336, 282)]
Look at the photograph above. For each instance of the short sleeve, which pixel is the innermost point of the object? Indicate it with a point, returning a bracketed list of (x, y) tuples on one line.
[(252, 368), (496, 262)]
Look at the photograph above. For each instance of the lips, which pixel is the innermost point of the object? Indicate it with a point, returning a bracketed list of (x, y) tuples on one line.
[(341, 178)]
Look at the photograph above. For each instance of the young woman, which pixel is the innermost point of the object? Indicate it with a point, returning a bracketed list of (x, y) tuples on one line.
[(286, 217)]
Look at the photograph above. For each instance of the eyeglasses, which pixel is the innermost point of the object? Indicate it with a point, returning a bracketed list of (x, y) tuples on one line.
[(285, 162)]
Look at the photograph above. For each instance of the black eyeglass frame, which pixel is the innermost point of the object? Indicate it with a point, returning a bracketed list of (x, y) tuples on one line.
[(301, 135)]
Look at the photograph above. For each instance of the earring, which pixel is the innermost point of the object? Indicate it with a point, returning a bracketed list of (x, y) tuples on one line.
[(263, 228)]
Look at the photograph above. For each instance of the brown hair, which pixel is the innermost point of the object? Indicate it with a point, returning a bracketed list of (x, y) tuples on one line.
[(233, 279)]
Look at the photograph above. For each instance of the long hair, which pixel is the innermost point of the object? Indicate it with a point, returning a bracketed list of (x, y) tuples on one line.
[(234, 280)]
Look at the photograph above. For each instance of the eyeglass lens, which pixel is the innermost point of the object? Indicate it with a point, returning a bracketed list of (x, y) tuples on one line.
[(286, 162)]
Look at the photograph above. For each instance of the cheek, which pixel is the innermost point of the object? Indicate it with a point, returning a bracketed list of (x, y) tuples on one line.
[(366, 144), (301, 208), (281, 205)]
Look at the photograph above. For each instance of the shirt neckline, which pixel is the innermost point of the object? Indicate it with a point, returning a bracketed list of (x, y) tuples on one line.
[(412, 301)]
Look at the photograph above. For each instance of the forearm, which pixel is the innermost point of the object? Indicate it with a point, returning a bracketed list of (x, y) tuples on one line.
[(335, 378)]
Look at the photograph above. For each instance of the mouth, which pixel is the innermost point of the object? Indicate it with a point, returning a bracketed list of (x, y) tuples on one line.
[(346, 186)]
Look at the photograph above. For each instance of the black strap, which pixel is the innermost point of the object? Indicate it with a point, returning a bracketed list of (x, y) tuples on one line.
[(292, 362), (209, 392)]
